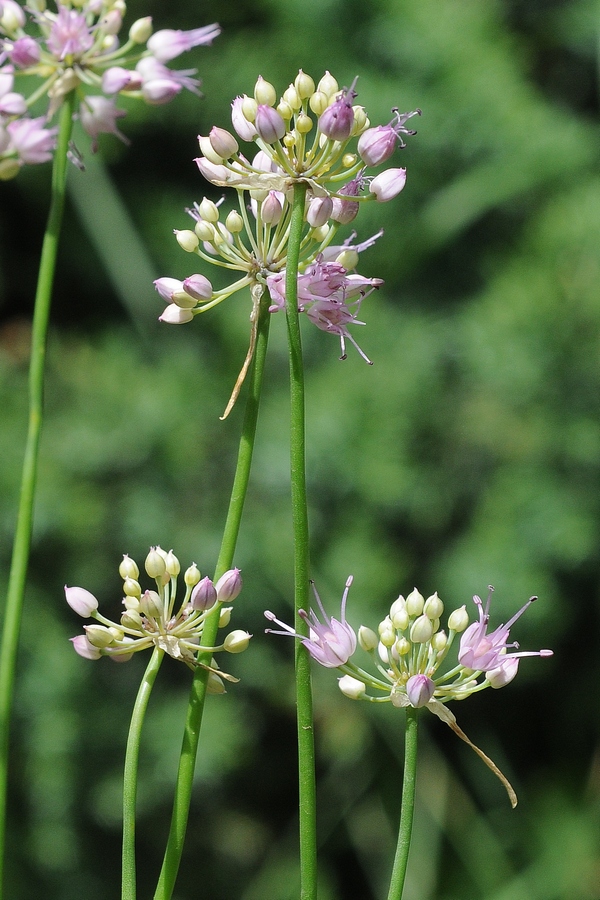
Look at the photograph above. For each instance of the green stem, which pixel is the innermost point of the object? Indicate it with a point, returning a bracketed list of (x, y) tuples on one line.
[(409, 784), (306, 743), (189, 748), (130, 773), (22, 544)]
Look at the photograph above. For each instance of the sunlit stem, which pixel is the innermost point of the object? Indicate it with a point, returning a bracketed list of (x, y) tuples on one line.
[(409, 784), (189, 748), (13, 610), (128, 888), (306, 746)]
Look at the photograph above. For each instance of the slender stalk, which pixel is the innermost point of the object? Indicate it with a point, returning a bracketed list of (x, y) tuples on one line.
[(189, 748), (409, 784), (13, 610), (128, 889), (306, 743)]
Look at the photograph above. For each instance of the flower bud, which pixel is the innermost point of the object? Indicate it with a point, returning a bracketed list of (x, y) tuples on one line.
[(204, 595), (131, 588), (285, 110), (402, 646), (304, 124), (208, 151), (192, 575), (175, 315), (348, 259), (367, 638), (133, 620), (249, 108), (319, 210), (388, 184), (421, 630), (128, 567), (458, 619), (111, 22), (388, 637), (205, 231), (187, 240), (503, 674), (271, 209), (141, 30), (183, 300), (82, 646), (328, 85), (223, 142), (269, 124), (319, 102), (132, 603), (225, 616), (214, 174), (81, 601), (244, 128), (351, 687), (11, 16), (264, 92), (292, 98), (344, 211), (419, 690), (214, 684), (229, 586), (155, 563), (234, 222), (198, 287), (237, 641), (400, 619), (172, 564), (433, 607), (376, 145), (439, 641), (360, 120), (304, 85), (337, 121), (151, 604), (415, 603), (98, 635)]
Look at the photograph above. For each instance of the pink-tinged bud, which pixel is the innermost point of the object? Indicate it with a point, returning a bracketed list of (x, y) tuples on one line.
[(269, 124), (214, 174), (166, 287), (503, 674), (419, 690), (168, 43), (25, 52), (337, 121), (198, 287), (271, 209), (388, 184), (175, 315), (229, 586), (118, 79), (243, 127), (344, 211), (319, 211), (204, 595), (82, 646), (81, 601), (11, 16), (13, 104), (224, 144), (376, 145), (208, 151), (33, 142), (141, 30), (111, 22)]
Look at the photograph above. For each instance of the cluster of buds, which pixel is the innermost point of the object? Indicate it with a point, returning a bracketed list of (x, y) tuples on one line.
[(304, 137), (77, 49), (408, 650), (150, 618)]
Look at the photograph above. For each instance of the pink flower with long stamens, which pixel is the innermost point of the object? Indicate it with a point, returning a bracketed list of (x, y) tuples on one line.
[(485, 652), (330, 642), (168, 43)]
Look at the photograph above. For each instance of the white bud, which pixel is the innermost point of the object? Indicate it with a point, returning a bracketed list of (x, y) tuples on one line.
[(351, 687)]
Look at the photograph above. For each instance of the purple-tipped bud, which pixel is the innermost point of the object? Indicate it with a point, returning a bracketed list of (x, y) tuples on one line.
[(204, 595), (229, 586), (224, 144), (319, 211), (419, 690), (376, 145), (269, 124), (271, 209), (337, 121), (198, 287), (388, 184), (81, 601)]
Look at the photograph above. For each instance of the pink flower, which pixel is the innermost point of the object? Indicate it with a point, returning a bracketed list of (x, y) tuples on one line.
[(81, 601), (82, 646), (98, 115), (168, 43), (69, 34), (118, 79), (24, 52), (159, 84), (12, 104), (331, 642), (376, 145), (485, 652), (32, 141)]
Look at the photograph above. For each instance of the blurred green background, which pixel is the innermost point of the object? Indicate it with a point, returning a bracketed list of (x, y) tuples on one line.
[(468, 454)]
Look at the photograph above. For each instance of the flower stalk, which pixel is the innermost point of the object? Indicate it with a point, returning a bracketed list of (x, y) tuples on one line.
[(409, 785), (22, 543)]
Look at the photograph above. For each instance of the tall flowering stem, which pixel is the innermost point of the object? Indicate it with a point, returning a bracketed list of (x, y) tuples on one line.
[(22, 542), (306, 746), (128, 889), (409, 784), (198, 691)]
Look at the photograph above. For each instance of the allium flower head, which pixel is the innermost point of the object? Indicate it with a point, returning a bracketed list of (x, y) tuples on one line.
[(409, 654), (152, 618), (76, 49)]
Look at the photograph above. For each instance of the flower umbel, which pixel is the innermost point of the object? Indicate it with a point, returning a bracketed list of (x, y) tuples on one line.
[(305, 136), (408, 652), (77, 49), (150, 618)]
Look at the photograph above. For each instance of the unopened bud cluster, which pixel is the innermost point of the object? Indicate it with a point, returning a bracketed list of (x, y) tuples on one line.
[(51, 54), (153, 618), (312, 134)]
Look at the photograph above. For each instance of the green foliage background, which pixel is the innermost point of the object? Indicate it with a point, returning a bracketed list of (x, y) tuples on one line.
[(468, 454)]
